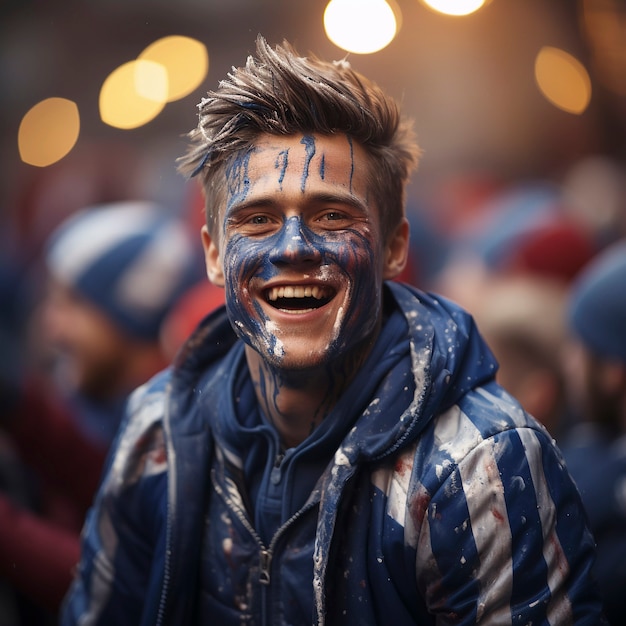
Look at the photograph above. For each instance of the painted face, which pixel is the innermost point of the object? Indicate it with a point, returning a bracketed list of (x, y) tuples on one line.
[(84, 343), (301, 253)]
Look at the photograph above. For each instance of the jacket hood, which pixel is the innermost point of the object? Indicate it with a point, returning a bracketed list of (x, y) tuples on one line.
[(448, 357)]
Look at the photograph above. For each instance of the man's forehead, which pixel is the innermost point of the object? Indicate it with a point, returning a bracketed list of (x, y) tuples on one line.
[(331, 158), (277, 159)]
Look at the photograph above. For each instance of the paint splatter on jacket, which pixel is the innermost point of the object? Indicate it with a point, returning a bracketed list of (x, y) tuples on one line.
[(427, 497)]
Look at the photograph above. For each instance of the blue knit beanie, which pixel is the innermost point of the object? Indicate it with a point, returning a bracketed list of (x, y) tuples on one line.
[(597, 309), (132, 260)]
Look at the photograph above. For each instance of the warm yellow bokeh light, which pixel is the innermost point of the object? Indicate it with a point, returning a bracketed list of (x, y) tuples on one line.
[(563, 80), (185, 59), (360, 26), (48, 131), (151, 80), (455, 7), (133, 94)]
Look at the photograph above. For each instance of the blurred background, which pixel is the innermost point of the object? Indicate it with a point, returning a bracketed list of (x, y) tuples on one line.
[(512, 93)]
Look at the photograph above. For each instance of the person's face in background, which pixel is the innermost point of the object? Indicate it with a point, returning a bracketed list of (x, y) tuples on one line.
[(88, 352), (527, 374)]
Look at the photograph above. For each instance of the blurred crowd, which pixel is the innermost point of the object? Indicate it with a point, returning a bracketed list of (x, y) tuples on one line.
[(99, 296)]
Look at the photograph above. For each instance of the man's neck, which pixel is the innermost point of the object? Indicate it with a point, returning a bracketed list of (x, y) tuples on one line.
[(296, 403)]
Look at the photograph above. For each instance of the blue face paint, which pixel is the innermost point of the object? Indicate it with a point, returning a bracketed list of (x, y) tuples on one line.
[(348, 255), (238, 180), (290, 224), (281, 163), (351, 161), (309, 146)]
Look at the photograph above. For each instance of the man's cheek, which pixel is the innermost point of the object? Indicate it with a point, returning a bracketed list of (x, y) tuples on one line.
[(244, 258), (354, 255)]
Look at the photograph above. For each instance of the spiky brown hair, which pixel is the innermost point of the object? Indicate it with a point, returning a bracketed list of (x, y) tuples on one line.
[(282, 93)]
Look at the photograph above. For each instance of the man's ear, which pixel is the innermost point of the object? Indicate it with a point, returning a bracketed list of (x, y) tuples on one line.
[(397, 251), (214, 267)]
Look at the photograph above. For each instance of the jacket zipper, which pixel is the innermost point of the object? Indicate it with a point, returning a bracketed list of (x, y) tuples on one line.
[(169, 519), (266, 553)]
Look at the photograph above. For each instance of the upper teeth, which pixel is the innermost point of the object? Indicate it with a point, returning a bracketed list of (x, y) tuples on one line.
[(298, 291)]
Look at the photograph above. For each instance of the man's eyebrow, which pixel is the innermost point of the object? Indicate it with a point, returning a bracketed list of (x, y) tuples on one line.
[(255, 203), (271, 201), (341, 198)]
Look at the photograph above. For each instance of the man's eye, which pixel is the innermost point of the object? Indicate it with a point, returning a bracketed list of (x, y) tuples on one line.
[(333, 215), (258, 219)]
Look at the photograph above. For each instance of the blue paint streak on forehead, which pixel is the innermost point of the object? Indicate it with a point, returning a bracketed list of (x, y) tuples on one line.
[(323, 166), (309, 146), (282, 160), (351, 161), (237, 178)]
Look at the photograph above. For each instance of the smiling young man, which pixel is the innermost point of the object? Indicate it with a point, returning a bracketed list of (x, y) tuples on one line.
[(331, 446), (302, 256)]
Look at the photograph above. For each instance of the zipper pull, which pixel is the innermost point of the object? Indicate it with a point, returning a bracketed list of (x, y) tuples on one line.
[(265, 561), (276, 475)]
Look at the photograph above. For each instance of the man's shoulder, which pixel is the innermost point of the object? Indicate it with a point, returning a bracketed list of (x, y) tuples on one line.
[(146, 404), (484, 418), (140, 449), (486, 428), (492, 410)]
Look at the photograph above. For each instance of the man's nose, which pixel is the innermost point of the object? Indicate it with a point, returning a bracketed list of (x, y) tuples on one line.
[(295, 243)]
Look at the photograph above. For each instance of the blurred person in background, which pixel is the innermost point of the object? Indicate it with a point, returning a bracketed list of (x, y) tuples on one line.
[(595, 445), (522, 318), (115, 274)]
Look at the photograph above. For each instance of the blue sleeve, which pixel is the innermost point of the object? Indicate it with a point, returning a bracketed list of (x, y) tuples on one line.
[(504, 538)]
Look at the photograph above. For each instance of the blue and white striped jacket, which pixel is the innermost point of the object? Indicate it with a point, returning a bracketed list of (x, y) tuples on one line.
[(434, 498)]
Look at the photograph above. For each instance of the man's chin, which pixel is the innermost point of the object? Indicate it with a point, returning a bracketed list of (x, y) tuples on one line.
[(287, 359), (296, 363)]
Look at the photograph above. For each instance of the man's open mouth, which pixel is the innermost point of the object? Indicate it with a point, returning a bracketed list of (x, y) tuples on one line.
[(299, 298)]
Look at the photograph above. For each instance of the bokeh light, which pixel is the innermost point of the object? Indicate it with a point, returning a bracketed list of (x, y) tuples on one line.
[(563, 80), (186, 61), (48, 131), (133, 94), (360, 26), (455, 7)]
